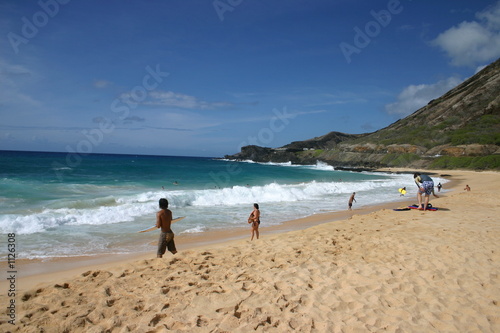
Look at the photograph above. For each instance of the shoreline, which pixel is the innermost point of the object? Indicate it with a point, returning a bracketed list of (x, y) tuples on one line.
[(370, 270), (34, 272)]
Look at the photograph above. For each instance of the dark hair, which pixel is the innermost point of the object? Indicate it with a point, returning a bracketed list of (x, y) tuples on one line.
[(256, 205), (415, 175), (163, 203)]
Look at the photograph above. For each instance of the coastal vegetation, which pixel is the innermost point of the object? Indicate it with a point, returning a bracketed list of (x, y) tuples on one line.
[(399, 160), (489, 162)]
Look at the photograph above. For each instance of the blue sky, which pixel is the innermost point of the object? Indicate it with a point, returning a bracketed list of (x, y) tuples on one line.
[(203, 78)]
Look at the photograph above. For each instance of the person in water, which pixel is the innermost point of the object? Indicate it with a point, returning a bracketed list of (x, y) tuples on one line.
[(402, 191), (425, 186), (163, 221), (254, 219), (351, 199)]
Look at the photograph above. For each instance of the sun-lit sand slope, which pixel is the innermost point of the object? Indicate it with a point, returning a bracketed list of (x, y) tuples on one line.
[(390, 271)]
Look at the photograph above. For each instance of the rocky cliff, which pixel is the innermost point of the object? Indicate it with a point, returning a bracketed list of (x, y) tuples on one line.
[(461, 129)]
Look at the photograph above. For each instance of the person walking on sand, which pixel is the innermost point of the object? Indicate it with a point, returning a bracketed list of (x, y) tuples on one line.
[(164, 221), (425, 186), (351, 199), (254, 219), (439, 187)]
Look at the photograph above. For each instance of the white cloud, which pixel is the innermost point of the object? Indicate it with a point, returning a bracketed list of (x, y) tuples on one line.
[(480, 68), (12, 80), (100, 84), (133, 119), (414, 97), (491, 16), (472, 43), (172, 99)]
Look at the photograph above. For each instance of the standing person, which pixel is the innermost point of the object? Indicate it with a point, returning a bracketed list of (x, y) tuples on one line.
[(254, 219), (467, 188), (163, 221), (351, 199), (439, 187), (425, 185)]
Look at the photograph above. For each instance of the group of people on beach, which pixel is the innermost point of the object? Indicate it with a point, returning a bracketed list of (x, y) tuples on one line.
[(424, 183), (425, 186), (164, 222)]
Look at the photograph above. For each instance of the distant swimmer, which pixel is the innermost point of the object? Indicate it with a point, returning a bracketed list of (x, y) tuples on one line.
[(175, 183), (402, 191), (351, 199), (254, 219)]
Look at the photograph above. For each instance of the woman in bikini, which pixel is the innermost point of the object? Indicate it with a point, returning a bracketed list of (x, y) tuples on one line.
[(254, 219)]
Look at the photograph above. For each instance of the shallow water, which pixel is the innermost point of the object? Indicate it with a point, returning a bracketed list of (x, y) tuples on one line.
[(59, 208)]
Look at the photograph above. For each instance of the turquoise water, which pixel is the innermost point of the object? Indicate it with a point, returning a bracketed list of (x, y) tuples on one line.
[(60, 205)]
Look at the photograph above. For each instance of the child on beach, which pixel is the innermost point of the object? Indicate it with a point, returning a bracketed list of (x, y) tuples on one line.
[(254, 219), (163, 221), (425, 185), (402, 191)]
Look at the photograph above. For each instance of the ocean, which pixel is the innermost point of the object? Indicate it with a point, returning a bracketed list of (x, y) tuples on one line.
[(63, 205)]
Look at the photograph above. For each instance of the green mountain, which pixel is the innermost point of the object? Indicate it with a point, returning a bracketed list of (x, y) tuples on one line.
[(461, 129)]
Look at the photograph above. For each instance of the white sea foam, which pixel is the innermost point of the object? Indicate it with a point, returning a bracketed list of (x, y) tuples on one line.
[(278, 163), (94, 211), (197, 229), (318, 166), (110, 210), (323, 166)]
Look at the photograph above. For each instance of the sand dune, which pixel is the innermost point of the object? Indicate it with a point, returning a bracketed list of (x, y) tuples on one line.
[(390, 271)]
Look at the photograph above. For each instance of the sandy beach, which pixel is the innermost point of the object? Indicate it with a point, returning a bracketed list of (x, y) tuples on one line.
[(362, 271)]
